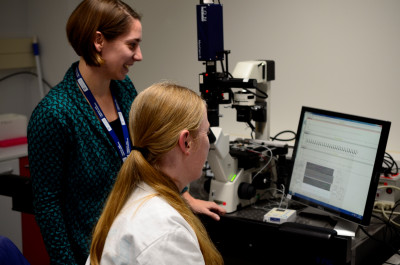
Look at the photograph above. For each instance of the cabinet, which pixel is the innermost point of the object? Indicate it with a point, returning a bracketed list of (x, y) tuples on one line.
[(17, 221), (32, 241), (10, 221)]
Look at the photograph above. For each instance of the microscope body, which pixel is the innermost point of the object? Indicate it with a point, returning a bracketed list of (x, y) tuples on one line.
[(246, 90), (224, 188)]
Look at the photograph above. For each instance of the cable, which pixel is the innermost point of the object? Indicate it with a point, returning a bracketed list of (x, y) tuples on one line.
[(391, 164), (283, 195), (387, 217), (271, 204), (397, 231), (24, 72), (388, 186), (388, 225), (273, 138), (269, 161), (251, 134), (253, 129), (223, 68), (386, 211), (378, 240)]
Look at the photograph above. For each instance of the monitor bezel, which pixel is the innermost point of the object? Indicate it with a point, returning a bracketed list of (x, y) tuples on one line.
[(369, 204)]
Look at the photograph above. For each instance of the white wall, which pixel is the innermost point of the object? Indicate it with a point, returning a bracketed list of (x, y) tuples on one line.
[(339, 55)]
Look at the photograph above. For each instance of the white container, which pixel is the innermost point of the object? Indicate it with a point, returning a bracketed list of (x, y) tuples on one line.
[(12, 126)]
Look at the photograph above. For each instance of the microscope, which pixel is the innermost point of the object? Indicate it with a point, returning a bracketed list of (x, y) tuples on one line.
[(235, 165)]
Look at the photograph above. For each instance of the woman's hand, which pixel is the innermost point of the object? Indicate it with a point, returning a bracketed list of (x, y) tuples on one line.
[(204, 207)]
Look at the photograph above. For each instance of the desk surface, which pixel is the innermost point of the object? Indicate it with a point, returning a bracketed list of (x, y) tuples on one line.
[(245, 228)]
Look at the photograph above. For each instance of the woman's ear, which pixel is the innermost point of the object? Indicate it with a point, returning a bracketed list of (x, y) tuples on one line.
[(98, 41), (184, 141)]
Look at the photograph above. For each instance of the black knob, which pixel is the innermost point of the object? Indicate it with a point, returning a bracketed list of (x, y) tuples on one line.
[(246, 191)]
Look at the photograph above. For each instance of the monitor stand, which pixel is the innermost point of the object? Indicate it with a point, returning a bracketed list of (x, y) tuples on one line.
[(318, 217), (345, 228)]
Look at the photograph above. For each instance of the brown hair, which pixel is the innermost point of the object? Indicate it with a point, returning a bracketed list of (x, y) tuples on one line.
[(111, 17), (157, 117)]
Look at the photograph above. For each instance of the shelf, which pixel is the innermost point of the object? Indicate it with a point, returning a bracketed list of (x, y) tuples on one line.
[(16, 53)]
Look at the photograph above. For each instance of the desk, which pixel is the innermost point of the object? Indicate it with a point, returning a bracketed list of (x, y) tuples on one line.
[(246, 241), (243, 238)]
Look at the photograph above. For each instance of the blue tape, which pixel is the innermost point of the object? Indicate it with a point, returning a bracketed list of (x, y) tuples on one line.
[(35, 48)]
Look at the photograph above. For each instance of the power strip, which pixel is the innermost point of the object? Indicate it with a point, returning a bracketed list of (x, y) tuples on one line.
[(388, 192), (383, 205)]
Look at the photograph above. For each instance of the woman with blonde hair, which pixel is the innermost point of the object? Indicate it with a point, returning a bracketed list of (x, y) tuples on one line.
[(145, 219)]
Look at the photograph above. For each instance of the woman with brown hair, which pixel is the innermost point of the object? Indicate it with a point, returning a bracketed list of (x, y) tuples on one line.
[(78, 134)]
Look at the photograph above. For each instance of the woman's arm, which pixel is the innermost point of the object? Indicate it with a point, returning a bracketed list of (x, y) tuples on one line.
[(46, 148)]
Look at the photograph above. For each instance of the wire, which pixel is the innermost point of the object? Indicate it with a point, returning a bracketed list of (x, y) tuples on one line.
[(24, 72), (251, 134), (223, 68), (271, 204), (386, 211), (389, 225), (273, 138), (378, 240), (263, 157), (389, 233), (388, 186), (384, 241), (391, 164), (387, 217), (283, 195), (253, 129)]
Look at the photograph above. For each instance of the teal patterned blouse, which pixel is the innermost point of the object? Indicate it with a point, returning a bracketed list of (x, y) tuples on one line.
[(73, 165)]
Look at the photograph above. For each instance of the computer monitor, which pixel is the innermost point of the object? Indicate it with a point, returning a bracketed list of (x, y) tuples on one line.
[(337, 160)]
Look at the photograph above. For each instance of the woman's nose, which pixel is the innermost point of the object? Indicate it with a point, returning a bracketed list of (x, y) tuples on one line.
[(138, 55)]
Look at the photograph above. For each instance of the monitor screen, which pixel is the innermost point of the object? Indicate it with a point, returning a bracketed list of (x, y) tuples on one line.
[(337, 160)]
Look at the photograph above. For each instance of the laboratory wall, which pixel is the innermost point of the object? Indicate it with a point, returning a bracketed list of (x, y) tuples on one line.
[(335, 54)]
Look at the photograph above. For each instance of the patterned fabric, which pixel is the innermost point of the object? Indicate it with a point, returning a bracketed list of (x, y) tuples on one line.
[(73, 165)]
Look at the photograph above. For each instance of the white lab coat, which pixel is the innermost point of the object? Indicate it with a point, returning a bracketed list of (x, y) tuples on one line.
[(150, 231)]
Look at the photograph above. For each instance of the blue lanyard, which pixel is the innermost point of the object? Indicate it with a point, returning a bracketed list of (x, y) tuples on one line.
[(86, 91)]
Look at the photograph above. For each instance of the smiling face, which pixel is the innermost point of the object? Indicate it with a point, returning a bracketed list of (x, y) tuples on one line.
[(122, 52)]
